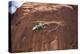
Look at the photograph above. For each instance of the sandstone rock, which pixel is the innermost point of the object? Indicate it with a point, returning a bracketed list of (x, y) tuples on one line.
[(23, 38)]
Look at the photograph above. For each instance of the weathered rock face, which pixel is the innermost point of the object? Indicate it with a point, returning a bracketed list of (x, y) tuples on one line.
[(60, 30)]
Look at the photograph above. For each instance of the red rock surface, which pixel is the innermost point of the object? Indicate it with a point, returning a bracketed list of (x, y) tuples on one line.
[(23, 38)]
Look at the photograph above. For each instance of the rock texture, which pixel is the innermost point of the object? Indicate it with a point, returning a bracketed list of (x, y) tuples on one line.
[(55, 36)]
